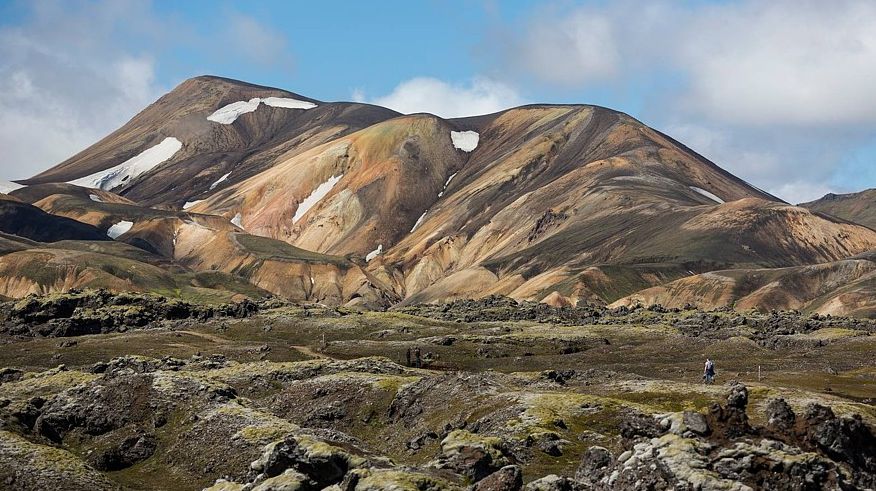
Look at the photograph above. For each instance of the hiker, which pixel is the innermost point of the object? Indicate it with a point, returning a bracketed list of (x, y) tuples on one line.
[(408, 356), (709, 371), (418, 361)]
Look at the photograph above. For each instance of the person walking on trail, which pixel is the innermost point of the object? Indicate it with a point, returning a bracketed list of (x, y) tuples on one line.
[(709, 371), (408, 357), (418, 360)]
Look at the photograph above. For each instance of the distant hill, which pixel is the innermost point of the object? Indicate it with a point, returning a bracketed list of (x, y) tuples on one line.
[(855, 207)]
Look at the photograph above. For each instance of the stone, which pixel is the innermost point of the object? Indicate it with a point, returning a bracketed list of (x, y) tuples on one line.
[(738, 396), (780, 416), (508, 478), (696, 423), (594, 465), (553, 482)]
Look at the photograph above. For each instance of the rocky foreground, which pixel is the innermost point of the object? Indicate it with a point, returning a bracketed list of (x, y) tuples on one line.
[(508, 397)]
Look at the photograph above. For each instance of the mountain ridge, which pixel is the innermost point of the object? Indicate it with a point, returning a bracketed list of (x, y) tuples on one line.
[(559, 203)]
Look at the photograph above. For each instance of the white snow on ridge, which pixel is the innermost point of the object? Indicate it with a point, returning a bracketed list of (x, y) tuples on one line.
[(319, 193), (465, 140), (131, 168), (119, 228), (419, 220), (7, 187), (376, 252), (288, 103), (237, 221), (219, 181), (189, 204), (707, 194), (229, 113), (95, 198)]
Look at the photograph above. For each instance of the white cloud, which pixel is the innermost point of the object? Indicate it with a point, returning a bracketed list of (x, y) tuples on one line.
[(744, 62), (72, 72), (62, 87), (431, 95), (575, 49), (782, 62), (801, 192)]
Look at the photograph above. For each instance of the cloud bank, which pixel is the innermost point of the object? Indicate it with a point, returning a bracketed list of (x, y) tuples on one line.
[(434, 96)]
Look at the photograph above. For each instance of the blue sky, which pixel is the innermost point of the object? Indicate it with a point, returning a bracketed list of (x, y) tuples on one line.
[(777, 92)]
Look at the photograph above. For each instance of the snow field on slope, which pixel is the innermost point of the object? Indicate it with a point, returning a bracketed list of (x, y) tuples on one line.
[(419, 220), (7, 187), (237, 221), (465, 140), (708, 194), (219, 181), (446, 183), (376, 252), (319, 193), (119, 228), (131, 168), (229, 113), (189, 204)]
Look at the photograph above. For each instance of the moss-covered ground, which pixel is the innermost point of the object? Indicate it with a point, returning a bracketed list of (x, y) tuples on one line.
[(522, 382)]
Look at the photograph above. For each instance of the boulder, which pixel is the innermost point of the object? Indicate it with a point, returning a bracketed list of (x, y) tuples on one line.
[(696, 423), (472, 455), (508, 478), (595, 464), (780, 416), (553, 482), (126, 453), (322, 463)]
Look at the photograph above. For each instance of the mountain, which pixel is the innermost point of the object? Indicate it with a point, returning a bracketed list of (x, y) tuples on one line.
[(190, 153), (353, 203), (854, 207)]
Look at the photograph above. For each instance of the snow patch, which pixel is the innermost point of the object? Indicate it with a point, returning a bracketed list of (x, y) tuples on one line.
[(190, 204), (229, 114), (237, 221), (219, 181), (131, 168), (7, 187), (319, 193), (465, 140), (376, 252), (419, 220), (288, 103), (119, 228), (707, 194), (447, 183), (95, 198)]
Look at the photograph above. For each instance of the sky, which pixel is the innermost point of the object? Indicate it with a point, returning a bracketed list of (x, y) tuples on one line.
[(780, 93)]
